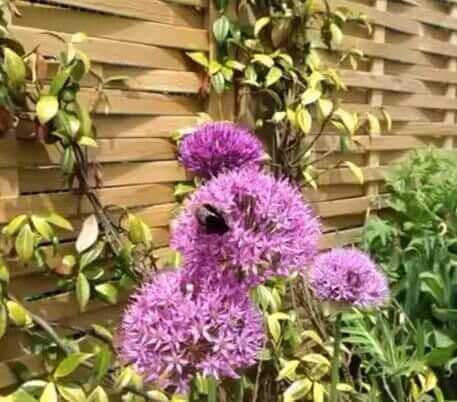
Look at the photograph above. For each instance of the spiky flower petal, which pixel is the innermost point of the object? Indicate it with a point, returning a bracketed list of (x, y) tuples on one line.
[(348, 276), (217, 147), (271, 230), (171, 330)]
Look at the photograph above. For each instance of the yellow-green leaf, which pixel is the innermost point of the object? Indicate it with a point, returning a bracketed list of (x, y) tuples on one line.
[(72, 393), (344, 387), (42, 227), (14, 67), (17, 314), (318, 392), (356, 171), (49, 393), (3, 320), (88, 142), (46, 108), (82, 291), (374, 128), (288, 370), (348, 119), (260, 24), (311, 95), (387, 118), (273, 76), (297, 390), (78, 37), (304, 120), (59, 221), (315, 358), (337, 35), (25, 244), (108, 292), (68, 365), (199, 58), (325, 107), (14, 225), (263, 59), (98, 395)]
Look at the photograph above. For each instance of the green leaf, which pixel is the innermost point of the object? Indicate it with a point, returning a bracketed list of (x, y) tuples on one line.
[(337, 35), (315, 358), (98, 395), (318, 392), (59, 221), (49, 393), (14, 225), (311, 95), (303, 119), (67, 162), (325, 107), (297, 390), (82, 291), (68, 365), (3, 320), (17, 314), (108, 292), (235, 65), (218, 82), (288, 370), (102, 332), (158, 396), (85, 129), (199, 58), (88, 235), (59, 81), (260, 24), (25, 244), (103, 360), (348, 119), (19, 395), (46, 108), (444, 314), (263, 59), (387, 118), (90, 256), (42, 227), (72, 393), (183, 189), (221, 28), (88, 142), (139, 232), (14, 67), (273, 76), (356, 171), (374, 128)]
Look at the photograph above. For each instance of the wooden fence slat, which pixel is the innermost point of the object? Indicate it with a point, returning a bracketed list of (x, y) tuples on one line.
[(111, 27)]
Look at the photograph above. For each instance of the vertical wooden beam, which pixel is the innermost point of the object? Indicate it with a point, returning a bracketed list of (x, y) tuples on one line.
[(376, 96), (449, 116)]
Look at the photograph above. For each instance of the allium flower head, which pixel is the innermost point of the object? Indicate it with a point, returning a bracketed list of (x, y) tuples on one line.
[(348, 276), (217, 147), (170, 330), (271, 231)]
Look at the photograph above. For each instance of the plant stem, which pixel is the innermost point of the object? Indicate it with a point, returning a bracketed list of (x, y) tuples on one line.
[(239, 390), (212, 390), (336, 359)]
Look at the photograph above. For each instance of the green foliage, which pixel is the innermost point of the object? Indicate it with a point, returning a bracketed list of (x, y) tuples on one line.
[(417, 245)]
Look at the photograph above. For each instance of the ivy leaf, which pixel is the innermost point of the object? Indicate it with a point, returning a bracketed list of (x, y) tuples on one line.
[(15, 225), (88, 235), (108, 292), (25, 244), (82, 291), (303, 119), (68, 365), (72, 393), (260, 24), (273, 76), (311, 95), (42, 227), (199, 58), (221, 28), (14, 67), (356, 171), (46, 108)]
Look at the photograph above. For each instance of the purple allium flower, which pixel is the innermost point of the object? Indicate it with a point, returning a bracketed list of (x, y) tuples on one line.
[(271, 231), (216, 147), (171, 330), (348, 276)]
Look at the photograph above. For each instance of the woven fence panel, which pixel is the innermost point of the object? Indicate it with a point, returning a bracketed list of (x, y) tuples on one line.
[(142, 39)]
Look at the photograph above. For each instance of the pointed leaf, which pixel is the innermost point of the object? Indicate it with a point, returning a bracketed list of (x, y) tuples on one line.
[(108, 292), (14, 67), (42, 226), (273, 76), (199, 58), (17, 314), (25, 244), (68, 365), (59, 221), (304, 120), (82, 291), (221, 29), (356, 171), (98, 395), (46, 108), (260, 24), (88, 235), (49, 393), (311, 95)]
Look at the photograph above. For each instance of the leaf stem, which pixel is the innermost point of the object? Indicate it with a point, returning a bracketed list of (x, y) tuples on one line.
[(336, 359)]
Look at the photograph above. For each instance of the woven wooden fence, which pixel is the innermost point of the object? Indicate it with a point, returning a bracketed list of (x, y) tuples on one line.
[(412, 73)]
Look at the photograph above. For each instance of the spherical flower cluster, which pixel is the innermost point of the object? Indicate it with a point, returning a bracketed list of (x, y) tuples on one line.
[(217, 147), (171, 330), (271, 231), (348, 277)]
